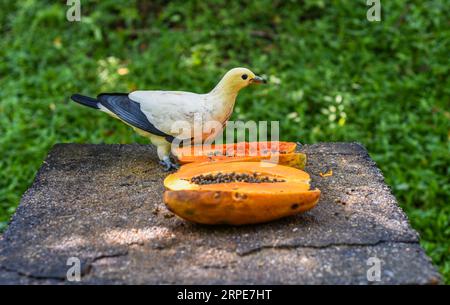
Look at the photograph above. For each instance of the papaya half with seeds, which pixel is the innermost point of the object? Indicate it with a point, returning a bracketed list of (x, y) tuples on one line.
[(283, 153), (238, 193)]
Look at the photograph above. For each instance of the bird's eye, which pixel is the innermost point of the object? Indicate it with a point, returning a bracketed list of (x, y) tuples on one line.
[(244, 77)]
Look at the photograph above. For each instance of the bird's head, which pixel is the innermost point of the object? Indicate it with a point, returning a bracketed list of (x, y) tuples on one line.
[(239, 78)]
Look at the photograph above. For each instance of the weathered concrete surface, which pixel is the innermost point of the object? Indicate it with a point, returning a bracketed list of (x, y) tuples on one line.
[(103, 204)]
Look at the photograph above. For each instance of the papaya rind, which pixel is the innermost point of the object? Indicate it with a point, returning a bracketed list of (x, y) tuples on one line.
[(295, 159), (234, 208)]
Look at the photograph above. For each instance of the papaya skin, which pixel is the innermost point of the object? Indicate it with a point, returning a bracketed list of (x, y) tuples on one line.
[(234, 208), (296, 160), (237, 202), (194, 151), (284, 155)]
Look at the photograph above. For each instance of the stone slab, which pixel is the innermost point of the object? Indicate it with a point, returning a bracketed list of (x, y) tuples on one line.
[(103, 205)]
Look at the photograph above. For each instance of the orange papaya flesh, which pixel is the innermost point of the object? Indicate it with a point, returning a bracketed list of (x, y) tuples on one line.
[(235, 149), (282, 153), (238, 193)]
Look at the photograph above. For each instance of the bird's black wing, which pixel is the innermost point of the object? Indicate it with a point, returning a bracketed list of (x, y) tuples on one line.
[(130, 112)]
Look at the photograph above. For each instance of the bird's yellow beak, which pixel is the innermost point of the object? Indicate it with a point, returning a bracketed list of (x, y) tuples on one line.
[(258, 80)]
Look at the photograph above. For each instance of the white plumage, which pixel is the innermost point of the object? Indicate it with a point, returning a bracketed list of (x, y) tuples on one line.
[(153, 113)]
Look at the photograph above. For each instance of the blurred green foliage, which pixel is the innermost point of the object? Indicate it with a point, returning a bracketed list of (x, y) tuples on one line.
[(335, 77)]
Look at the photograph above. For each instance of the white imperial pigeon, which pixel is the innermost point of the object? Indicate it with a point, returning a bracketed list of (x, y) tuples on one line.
[(152, 114)]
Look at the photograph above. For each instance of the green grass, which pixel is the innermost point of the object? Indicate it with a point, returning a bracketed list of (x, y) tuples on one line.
[(335, 77)]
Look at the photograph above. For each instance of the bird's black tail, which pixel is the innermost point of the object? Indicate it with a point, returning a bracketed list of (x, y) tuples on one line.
[(85, 100)]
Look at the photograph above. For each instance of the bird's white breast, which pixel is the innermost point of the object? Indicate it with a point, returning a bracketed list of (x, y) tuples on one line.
[(167, 109)]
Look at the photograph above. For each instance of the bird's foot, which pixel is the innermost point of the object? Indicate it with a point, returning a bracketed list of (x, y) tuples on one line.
[(169, 165)]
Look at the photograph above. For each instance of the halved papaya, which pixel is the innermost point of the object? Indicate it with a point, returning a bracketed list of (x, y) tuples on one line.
[(283, 153), (238, 193)]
